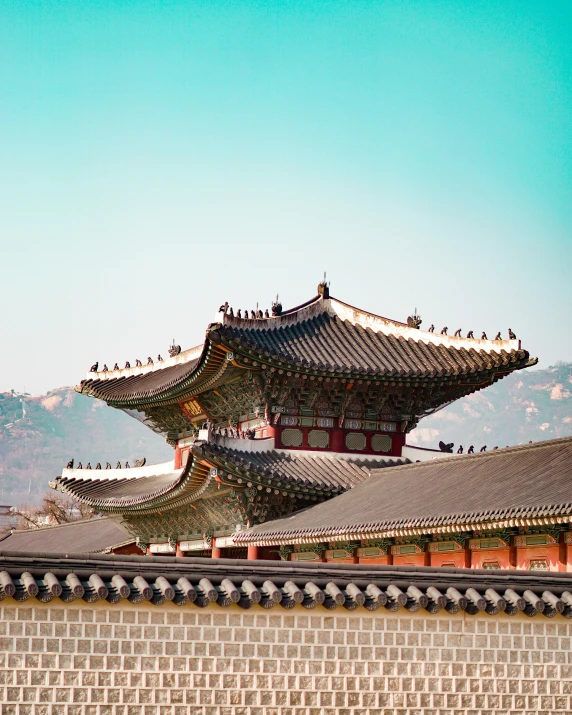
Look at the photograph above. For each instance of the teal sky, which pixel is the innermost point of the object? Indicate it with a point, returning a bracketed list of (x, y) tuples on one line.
[(158, 158)]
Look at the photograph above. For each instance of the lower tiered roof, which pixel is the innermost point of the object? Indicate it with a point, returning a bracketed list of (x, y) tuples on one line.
[(114, 489), (222, 487)]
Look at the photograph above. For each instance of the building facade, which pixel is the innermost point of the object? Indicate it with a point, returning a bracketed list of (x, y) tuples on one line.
[(274, 414)]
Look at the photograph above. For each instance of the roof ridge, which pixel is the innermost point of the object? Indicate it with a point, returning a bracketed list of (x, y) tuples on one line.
[(364, 460), (59, 526), (483, 455)]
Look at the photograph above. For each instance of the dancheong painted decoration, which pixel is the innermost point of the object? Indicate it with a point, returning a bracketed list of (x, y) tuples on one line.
[(278, 412)]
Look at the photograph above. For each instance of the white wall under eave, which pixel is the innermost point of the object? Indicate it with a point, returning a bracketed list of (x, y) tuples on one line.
[(421, 454), (149, 470)]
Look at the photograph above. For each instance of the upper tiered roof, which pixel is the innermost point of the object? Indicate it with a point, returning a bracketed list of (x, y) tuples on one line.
[(324, 338)]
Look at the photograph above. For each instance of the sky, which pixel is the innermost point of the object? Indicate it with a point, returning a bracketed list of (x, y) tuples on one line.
[(159, 158)]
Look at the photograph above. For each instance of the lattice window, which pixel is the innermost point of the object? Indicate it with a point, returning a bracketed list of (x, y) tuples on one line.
[(318, 438), (355, 440), (538, 565), (292, 437), (491, 565), (381, 443)]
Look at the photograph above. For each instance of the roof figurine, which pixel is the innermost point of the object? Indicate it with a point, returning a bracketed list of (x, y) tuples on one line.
[(414, 321), (324, 288), (174, 350)]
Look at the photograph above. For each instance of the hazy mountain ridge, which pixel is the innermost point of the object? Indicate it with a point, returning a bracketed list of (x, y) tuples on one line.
[(527, 405), (39, 434)]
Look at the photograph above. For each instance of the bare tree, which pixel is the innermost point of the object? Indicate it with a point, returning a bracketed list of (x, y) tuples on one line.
[(55, 509)]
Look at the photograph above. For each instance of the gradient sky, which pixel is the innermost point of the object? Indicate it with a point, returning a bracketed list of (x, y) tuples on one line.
[(159, 158)]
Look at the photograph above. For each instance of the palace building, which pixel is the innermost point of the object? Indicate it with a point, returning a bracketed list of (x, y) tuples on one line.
[(275, 417)]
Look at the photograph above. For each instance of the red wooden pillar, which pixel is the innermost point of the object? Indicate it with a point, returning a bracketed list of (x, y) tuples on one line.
[(179, 552), (252, 553), (216, 553)]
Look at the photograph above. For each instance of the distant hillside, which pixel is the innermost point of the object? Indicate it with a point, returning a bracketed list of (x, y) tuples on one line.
[(40, 434), (528, 405)]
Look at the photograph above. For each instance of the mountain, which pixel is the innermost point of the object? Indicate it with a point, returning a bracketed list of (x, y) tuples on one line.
[(40, 434), (530, 405)]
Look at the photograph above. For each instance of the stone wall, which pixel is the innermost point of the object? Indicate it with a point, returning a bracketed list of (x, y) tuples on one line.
[(127, 659)]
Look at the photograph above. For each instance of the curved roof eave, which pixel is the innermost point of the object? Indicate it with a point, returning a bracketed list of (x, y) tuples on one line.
[(345, 337), (157, 488)]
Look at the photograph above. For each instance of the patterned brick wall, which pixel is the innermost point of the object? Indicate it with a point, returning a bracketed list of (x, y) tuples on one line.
[(164, 660)]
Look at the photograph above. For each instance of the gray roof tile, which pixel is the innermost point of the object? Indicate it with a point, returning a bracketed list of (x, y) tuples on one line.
[(535, 479)]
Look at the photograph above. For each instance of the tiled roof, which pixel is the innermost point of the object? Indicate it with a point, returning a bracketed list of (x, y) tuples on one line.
[(145, 384), (114, 489), (118, 492), (531, 481), (89, 536), (322, 472), (117, 488), (268, 584), (325, 335), (329, 343)]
